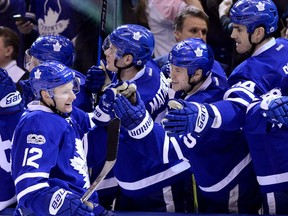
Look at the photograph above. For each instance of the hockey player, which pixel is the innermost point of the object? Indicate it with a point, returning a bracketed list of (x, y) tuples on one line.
[(253, 25), (268, 146), (48, 161), (11, 109), (128, 51), (58, 48), (220, 159)]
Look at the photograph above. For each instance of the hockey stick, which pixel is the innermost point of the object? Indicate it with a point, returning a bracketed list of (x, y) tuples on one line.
[(100, 39), (113, 131)]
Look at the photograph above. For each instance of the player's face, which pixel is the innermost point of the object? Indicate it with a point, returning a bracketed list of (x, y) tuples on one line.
[(241, 37), (110, 54), (179, 78), (64, 96), (193, 27), (30, 61)]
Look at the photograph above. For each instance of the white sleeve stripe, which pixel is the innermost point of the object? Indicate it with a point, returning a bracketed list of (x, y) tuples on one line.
[(232, 175), (177, 148), (218, 118), (91, 115), (154, 179), (166, 149), (31, 189), (239, 100), (31, 175), (231, 90), (273, 179)]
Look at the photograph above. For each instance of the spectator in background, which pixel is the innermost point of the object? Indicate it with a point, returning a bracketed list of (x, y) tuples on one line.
[(160, 16), (7, 10), (9, 51)]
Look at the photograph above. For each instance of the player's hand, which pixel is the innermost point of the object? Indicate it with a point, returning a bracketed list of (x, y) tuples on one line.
[(134, 118), (184, 117), (27, 93), (95, 79), (24, 27), (224, 7), (128, 90), (103, 111), (166, 69), (276, 109)]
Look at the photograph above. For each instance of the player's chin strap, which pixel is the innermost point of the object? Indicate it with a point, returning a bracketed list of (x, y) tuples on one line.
[(53, 108), (123, 68), (251, 51)]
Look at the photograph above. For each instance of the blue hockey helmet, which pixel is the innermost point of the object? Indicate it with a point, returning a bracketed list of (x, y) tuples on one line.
[(192, 54), (10, 98), (50, 75), (255, 13), (135, 40), (53, 47)]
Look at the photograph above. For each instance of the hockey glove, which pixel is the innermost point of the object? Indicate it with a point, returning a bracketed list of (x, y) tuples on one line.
[(276, 109), (103, 111), (135, 118), (166, 69), (27, 93), (10, 98), (64, 203), (95, 79), (184, 117)]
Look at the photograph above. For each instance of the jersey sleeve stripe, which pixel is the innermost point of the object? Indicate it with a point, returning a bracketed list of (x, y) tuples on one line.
[(31, 189)]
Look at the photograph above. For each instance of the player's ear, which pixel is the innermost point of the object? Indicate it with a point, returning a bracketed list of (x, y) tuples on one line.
[(198, 75), (258, 34), (45, 94), (128, 59)]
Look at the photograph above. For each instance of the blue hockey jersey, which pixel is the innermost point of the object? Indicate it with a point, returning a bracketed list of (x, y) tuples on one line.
[(219, 159), (8, 123), (255, 76), (47, 153), (268, 148)]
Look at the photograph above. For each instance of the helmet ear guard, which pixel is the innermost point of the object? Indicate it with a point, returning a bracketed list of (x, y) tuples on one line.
[(255, 13), (192, 54)]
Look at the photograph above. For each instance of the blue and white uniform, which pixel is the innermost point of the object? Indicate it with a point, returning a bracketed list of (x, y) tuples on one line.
[(255, 76), (219, 159), (8, 123), (268, 148), (49, 159), (142, 186)]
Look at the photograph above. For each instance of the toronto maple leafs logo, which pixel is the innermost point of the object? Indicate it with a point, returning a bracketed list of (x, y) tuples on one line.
[(51, 25), (198, 52), (79, 162), (260, 6), (37, 74), (57, 46), (137, 36)]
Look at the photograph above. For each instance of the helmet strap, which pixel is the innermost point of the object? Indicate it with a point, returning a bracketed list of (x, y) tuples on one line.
[(53, 108)]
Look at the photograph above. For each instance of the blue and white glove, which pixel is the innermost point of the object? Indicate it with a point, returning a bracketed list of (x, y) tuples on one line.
[(95, 79), (184, 117), (27, 93), (276, 109), (10, 98), (103, 111), (166, 69), (135, 118)]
